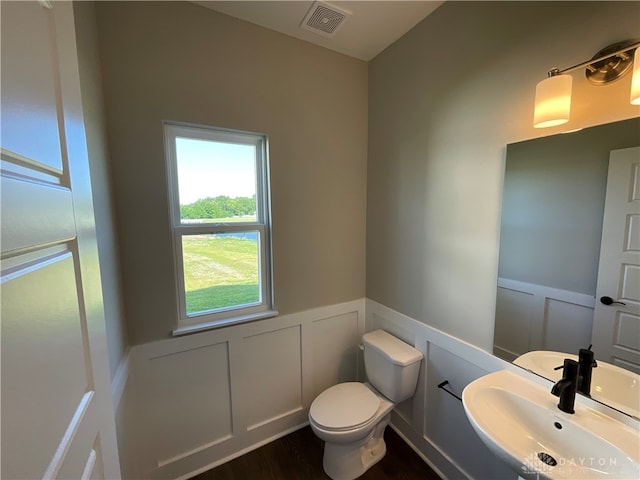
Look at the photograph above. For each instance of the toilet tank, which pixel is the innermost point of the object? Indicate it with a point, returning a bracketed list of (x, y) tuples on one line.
[(392, 366)]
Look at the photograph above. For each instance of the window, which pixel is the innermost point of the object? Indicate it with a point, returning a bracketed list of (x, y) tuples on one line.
[(220, 218)]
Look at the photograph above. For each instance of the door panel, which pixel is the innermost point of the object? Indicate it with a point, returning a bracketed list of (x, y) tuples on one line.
[(40, 320), (31, 104), (616, 327), (57, 417), (40, 213)]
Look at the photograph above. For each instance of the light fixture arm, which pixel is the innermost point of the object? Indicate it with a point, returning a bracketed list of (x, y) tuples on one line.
[(555, 71)]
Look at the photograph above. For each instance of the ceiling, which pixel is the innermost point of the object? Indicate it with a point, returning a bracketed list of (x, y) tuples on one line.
[(371, 27)]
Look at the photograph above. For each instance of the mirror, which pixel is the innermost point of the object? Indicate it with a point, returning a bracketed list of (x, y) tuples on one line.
[(551, 229)]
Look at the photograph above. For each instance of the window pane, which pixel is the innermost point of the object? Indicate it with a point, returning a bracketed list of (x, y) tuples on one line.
[(221, 271), (216, 181)]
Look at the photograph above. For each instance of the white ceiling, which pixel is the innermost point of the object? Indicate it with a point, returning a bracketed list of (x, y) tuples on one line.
[(371, 27)]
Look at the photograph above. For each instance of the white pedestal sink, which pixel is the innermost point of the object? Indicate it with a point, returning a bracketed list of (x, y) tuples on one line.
[(519, 421), (610, 384)]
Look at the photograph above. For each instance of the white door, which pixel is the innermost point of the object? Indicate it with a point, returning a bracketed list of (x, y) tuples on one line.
[(616, 327), (57, 417)]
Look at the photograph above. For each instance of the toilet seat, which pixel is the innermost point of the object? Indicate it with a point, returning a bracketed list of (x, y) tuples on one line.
[(345, 406)]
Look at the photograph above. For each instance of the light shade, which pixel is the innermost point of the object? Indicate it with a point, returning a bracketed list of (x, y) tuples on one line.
[(635, 79), (553, 101)]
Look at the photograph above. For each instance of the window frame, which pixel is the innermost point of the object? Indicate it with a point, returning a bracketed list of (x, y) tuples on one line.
[(262, 225)]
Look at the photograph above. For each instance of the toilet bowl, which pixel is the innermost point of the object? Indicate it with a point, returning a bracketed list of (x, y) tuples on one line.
[(351, 417)]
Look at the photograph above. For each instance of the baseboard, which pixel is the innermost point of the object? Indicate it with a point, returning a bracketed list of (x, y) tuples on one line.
[(244, 451)]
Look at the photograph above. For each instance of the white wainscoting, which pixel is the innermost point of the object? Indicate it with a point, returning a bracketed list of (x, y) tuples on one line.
[(191, 403), (194, 402), (197, 401), (433, 422), (535, 317)]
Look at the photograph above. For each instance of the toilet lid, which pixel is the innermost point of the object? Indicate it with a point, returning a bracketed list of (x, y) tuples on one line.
[(344, 406)]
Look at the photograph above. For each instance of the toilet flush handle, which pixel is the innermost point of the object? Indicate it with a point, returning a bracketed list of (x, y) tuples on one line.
[(361, 346)]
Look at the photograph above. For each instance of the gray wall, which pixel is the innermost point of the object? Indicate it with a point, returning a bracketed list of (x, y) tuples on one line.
[(93, 109), (444, 101), (182, 62), (553, 202)]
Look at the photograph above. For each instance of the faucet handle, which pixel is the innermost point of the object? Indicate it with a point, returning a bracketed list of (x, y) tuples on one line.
[(587, 356), (570, 369)]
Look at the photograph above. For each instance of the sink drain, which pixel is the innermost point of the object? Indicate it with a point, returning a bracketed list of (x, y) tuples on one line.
[(548, 459)]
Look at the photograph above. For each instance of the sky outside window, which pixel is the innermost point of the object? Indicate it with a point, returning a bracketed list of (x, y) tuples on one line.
[(212, 169)]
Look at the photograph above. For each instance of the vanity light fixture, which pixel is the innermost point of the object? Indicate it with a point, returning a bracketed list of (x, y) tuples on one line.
[(553, 94)]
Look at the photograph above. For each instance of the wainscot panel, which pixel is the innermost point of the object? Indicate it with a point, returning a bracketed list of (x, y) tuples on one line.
[(270, 378), (537, 317), (335, 350), (193, 385)]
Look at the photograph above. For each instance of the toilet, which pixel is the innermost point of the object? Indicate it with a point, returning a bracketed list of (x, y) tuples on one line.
[(351, 417)]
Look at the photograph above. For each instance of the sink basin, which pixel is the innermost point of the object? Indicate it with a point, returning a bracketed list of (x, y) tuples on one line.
[(520, 422), (615, 386)]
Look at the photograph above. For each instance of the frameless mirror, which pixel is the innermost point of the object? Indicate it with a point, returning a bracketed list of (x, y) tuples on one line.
[(555, 263)]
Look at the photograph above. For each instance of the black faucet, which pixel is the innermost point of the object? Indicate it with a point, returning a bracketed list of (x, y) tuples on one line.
[(586, 365), (567, 386)]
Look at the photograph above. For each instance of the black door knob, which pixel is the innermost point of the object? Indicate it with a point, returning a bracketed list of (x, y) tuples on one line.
[(610, 301)]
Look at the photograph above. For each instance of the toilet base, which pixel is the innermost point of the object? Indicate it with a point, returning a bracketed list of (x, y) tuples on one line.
[(349, 461)]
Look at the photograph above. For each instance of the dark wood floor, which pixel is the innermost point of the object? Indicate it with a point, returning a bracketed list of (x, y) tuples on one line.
[(298, 456)]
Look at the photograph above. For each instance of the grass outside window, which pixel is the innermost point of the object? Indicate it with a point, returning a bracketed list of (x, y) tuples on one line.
[(220, 271)]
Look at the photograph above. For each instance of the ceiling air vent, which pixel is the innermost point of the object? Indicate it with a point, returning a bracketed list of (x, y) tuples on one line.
[(324, 19)]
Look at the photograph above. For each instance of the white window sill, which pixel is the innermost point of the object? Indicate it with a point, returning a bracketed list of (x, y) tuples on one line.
[(226, 322)]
